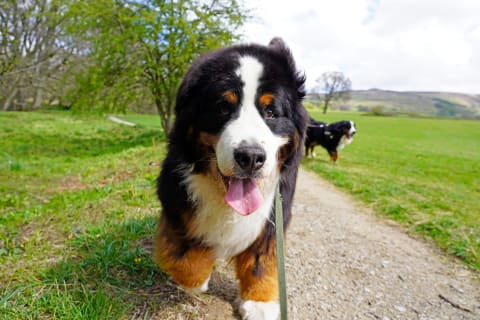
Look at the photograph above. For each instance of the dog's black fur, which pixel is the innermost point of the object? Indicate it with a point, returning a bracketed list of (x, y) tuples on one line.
[(201, 116), (329, 136), (198, 110)]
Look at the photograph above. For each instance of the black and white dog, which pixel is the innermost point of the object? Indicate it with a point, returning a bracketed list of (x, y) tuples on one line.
[(238, 132), (333, 137)]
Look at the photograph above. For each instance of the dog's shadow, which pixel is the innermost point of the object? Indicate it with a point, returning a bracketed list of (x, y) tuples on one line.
[(113, 264)]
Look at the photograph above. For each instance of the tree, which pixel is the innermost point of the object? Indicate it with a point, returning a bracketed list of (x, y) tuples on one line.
[(335, 87), (31, 52), (137, 51)]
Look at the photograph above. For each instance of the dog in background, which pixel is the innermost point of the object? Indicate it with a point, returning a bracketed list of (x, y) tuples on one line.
[(333, 137), (238, 133)]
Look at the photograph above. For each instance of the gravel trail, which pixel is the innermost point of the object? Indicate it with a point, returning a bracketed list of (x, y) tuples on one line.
[(344, 263)]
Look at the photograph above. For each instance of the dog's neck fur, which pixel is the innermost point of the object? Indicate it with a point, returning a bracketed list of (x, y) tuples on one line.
[(216, 224)]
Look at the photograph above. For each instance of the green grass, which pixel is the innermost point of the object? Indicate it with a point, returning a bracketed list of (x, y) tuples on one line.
[(423, 173), (144, 120), (78, 206), (77, 217)]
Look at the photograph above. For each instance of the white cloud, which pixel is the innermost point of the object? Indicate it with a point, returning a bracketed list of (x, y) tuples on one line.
[(390, 44)]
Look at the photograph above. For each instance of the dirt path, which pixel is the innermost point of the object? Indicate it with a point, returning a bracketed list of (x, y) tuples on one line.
[(344, 263)]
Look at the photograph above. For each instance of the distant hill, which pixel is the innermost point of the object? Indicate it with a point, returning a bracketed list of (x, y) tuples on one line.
[(438, 104)]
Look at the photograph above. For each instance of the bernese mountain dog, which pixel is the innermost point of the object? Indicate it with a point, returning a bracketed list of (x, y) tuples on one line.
[(333, 137), (238, 133)]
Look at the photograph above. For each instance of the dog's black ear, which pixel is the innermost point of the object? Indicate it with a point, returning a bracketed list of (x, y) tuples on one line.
[(278, 45)]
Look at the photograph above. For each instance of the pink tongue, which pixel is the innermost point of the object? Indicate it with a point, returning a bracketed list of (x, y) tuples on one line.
[(243, 195)]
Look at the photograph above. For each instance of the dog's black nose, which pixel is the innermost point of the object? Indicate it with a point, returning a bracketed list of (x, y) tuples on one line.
[(250, 158)]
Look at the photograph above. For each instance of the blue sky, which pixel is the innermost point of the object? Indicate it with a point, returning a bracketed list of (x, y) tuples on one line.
[(427, 45)]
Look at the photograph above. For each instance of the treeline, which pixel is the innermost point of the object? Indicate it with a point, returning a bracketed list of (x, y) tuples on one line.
[(107, 55)]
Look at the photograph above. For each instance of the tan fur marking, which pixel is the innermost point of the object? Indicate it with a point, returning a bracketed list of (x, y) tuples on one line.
[(190, 269), (231, 97), (208, 139), (265, 99), (258, 281)]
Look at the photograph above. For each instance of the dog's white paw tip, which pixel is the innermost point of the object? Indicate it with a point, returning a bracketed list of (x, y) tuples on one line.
[(256, 310), (201, 289)]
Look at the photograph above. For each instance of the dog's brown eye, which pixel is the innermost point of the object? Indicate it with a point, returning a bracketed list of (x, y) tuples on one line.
[(269, 113), (225, 110)]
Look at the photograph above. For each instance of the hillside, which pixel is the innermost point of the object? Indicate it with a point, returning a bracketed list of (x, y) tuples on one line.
[(438, 104)]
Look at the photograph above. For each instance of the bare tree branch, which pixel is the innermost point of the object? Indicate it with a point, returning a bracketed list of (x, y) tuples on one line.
[(335, 87)]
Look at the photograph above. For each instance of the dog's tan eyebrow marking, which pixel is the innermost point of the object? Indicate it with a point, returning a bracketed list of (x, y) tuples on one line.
[(230, 97), (265, 99)]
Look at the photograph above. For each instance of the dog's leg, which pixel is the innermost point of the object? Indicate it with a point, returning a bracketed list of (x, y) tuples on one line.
[(334, 156), (188, 264), (310, 150), (258, 284)]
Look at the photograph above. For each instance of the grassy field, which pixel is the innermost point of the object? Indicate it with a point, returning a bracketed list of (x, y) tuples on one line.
[(78, 209), (77, 215), (423, 173)]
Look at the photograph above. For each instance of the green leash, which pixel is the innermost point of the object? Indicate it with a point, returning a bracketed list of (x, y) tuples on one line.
[(282, 284)]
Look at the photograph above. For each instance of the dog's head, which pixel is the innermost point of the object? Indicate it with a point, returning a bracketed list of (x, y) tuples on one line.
[(347, 129), (239, 119)]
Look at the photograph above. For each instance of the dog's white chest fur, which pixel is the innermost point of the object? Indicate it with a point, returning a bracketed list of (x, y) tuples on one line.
[(343, 142), (217, 224)]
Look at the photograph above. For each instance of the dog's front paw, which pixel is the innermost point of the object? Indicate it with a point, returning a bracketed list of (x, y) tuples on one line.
[(201, 289), (256, 310)]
